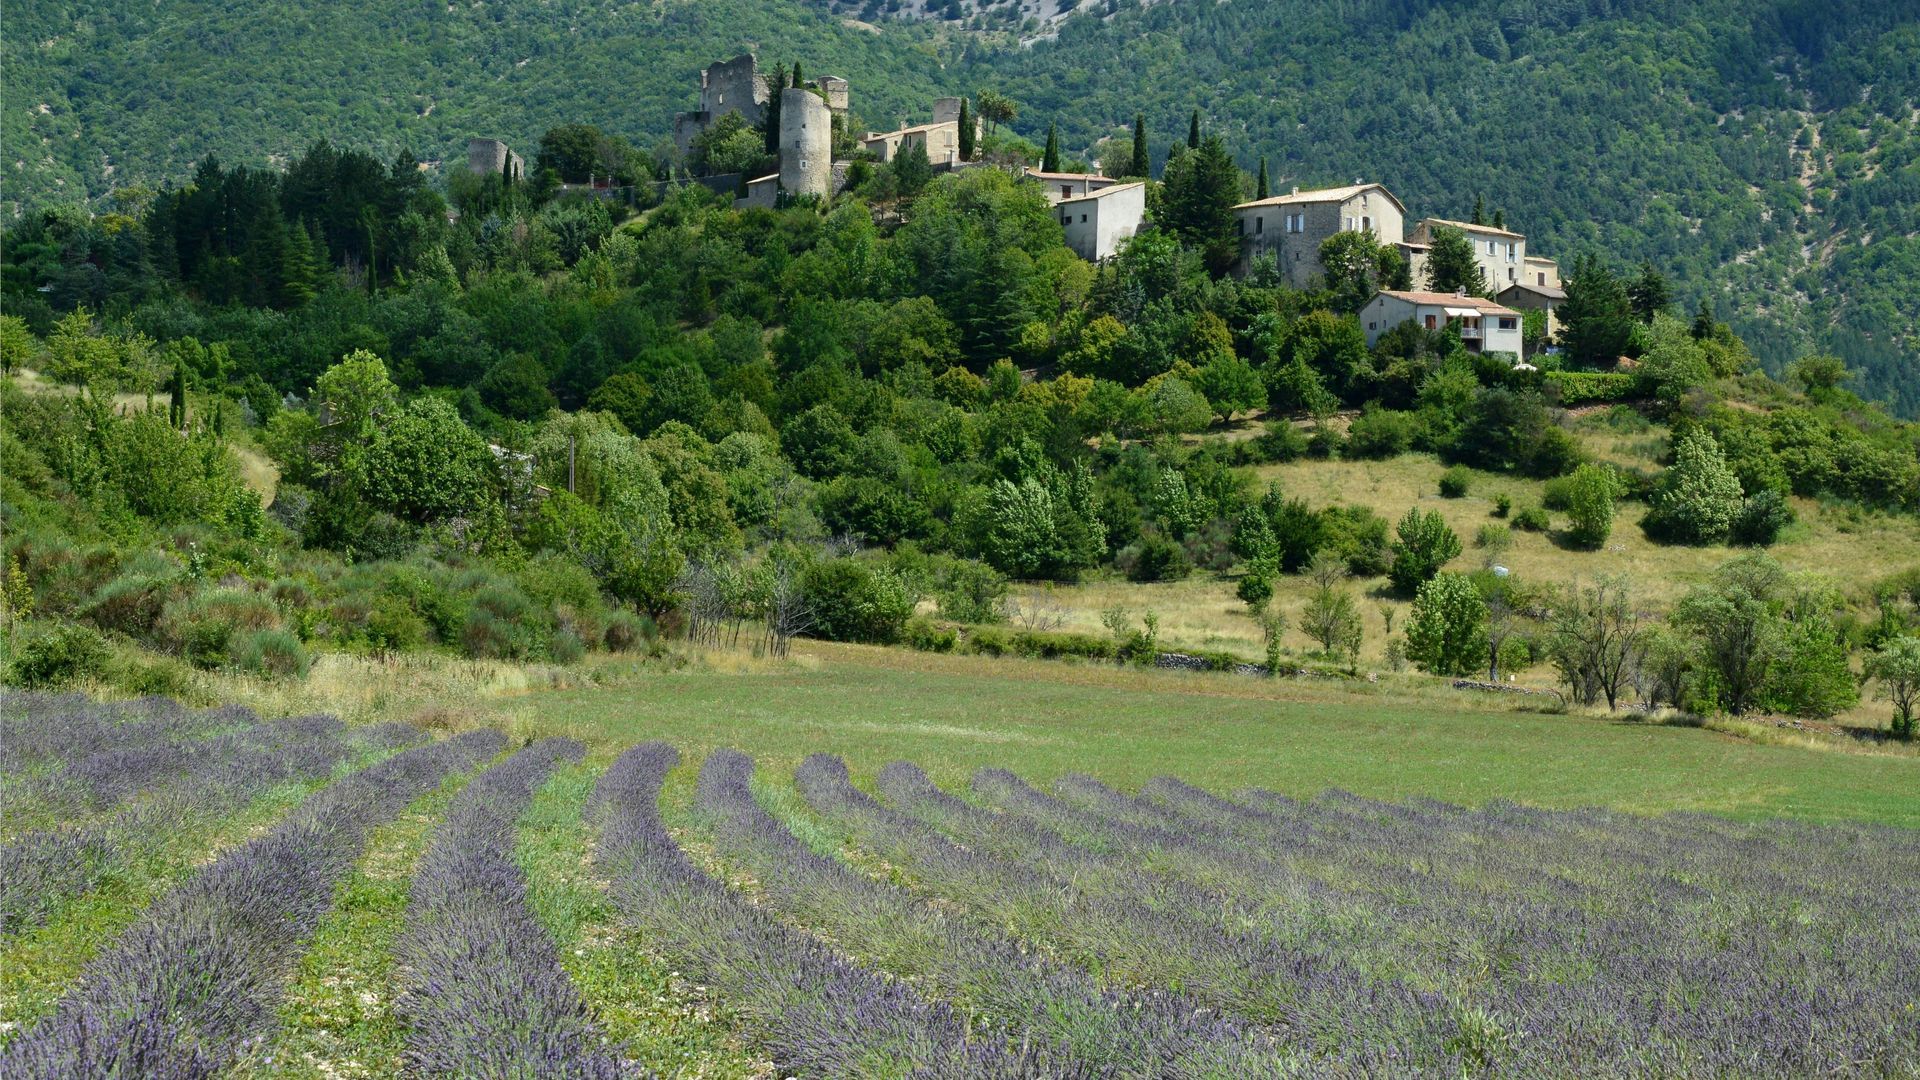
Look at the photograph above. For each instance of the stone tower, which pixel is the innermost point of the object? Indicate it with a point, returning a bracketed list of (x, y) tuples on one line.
[(806, 143)]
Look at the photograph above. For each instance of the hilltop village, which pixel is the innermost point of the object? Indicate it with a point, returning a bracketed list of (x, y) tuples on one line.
[(818, 158)]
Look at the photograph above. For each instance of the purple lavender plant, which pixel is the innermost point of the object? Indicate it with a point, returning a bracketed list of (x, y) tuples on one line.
[(485, 994), (183, 990)]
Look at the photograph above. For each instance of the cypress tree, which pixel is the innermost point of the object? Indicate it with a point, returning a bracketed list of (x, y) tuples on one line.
[(1479, 211), (770, 122), (1260, 187), (798, 82), (1142, 159), (1500, 219), (966, 131), (1703, 322), (1050, 158), (1193, 131)]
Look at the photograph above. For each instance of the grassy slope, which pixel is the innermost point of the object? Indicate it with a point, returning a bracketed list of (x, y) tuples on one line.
[(1042, 719)]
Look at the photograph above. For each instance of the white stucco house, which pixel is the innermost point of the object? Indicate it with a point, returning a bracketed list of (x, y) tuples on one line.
[(1485, 325), (1098, 223)]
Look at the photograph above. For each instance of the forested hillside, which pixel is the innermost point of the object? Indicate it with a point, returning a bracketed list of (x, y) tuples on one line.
[(1763, 154)]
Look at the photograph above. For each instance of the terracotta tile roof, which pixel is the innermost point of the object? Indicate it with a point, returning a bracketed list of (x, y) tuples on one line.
[(1446, 299), (1102, 193), (1068, 175), (1547, 291)]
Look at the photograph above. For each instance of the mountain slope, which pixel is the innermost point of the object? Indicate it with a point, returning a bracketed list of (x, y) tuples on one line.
[(1762, 151)]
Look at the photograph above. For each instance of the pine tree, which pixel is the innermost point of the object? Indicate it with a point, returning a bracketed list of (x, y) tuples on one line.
[(1142, 158), (1202, 187), (1479, 211), (1452, 266), (1703, 323), (1500, 219), (1193, 131), (1260, 187), (967, 132), (1050, 158)]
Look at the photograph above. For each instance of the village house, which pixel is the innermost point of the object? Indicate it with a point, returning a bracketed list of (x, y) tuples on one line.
[(1484, 325), (1060, 186), (1292, 227), (1098, 223), (1538, 289), (1500, 253)]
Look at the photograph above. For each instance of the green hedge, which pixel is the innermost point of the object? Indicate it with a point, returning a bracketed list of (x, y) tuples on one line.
[(1572, 388)]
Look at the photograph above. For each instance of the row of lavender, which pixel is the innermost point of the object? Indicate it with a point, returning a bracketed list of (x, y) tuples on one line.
[(194, 981), (1385, 938)]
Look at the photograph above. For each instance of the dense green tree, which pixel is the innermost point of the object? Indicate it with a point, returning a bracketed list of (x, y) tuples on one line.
[(1451, 264), (1447, 628), (1591, 492), (1734, 620), (1142, 164), (1050, 157), (1200, 192), (1260, 185), (1649, 294), (996, 109), (1896, 667), (1596, 319), (969, 130), (1193, 131), (1698, 497), (426, 465), (1424, 543)]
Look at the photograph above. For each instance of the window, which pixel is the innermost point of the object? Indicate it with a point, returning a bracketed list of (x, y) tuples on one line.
[(1543, 279), (1509, 273), (1493, 247), (1066, 191), (1259, 224), (1083, 219), (1430, 323), (1240, 227), (1366, 223), (1507, 322), (1510, 251), (1373, 326)]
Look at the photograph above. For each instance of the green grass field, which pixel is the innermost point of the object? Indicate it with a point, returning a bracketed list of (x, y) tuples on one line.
[(1404, 736)]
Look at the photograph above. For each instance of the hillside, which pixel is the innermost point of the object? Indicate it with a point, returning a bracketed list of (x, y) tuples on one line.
[(1766, 158)]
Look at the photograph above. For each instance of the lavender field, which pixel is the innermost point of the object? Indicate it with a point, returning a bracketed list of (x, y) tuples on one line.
[(169, 876)]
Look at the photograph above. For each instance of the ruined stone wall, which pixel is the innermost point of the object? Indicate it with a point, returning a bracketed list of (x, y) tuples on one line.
[(486, 156), (733, 86)]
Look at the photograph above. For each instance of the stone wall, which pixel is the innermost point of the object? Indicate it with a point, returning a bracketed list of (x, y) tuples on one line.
[(806, 143)]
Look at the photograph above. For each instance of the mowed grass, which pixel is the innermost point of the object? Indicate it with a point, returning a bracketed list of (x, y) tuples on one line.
[(1399, 738)]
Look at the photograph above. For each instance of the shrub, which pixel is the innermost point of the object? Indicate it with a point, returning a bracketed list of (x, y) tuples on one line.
[(1380, 433), (1053, 645), (928, 636), (1155, 557), (1280, 442), (1761, 519), (58, 657), (970, 592), (1571, 388), (1502, 505), (1533, 519), (1494, 537), (484, 636), (1591, 492), (1255, 588), (855, 600), (1455, 482), (989, 640), (271, 654), (566, 647), (1699, 496), (1425, 544), (201, 626), (129, 604), (1359, 537), (627, 632)]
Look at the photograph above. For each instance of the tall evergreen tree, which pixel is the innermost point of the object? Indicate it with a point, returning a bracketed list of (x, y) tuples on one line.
[(1260, 186), (1649, 293), (1193, 131), (798, 80), (1201, 190), (967, 132), (1703, 321), (1500, 218), (1050, 157), (776, 80), (1451, 265), (1596, 318), (1479, 211), (1142, 158)]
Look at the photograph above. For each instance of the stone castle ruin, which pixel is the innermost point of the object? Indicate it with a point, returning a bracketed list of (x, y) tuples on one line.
[(492, 156)]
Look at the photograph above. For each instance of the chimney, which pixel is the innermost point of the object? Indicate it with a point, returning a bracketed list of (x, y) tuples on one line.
[(1460, 293), (1296, 189)]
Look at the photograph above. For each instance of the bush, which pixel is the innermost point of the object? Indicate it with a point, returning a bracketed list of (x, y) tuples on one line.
[(1155, 557), (58, 657), (566, 648), (627, 632), (928, 636), (989, 640), (1590, 493), (1255, 588), (1761, 519), (1281, 442), (1425, 545), (1502, 505), (1053, 645), (270, 654), (201, 626), (1533, 519), (1699, 496), (485, 636), (129, 604), (855, 600), (1571, 388), (1380, 433), (1455, 482)]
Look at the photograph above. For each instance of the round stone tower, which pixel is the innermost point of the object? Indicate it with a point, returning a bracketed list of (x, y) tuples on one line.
[(806, 143)]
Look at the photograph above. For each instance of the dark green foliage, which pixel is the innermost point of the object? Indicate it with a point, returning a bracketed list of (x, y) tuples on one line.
[(1451, 265), (855, 599), (1156, 557), (1455, 482), (1571, 388), (1597, 316), (1533, 519), (1761, 519), (1197, 202), (969, 130), (1422, 546), (1050, 157), (59, 655), (1142, 164), (1380, 433)]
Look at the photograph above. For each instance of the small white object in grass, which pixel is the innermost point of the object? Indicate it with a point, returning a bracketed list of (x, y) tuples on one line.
[(1501, 571)]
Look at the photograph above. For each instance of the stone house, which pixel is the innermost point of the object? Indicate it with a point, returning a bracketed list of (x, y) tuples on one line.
[(941, 138), (1060, 186), (1501, 253), (1097, 223), (1485, 325), (1292, 227), (736, 86)]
